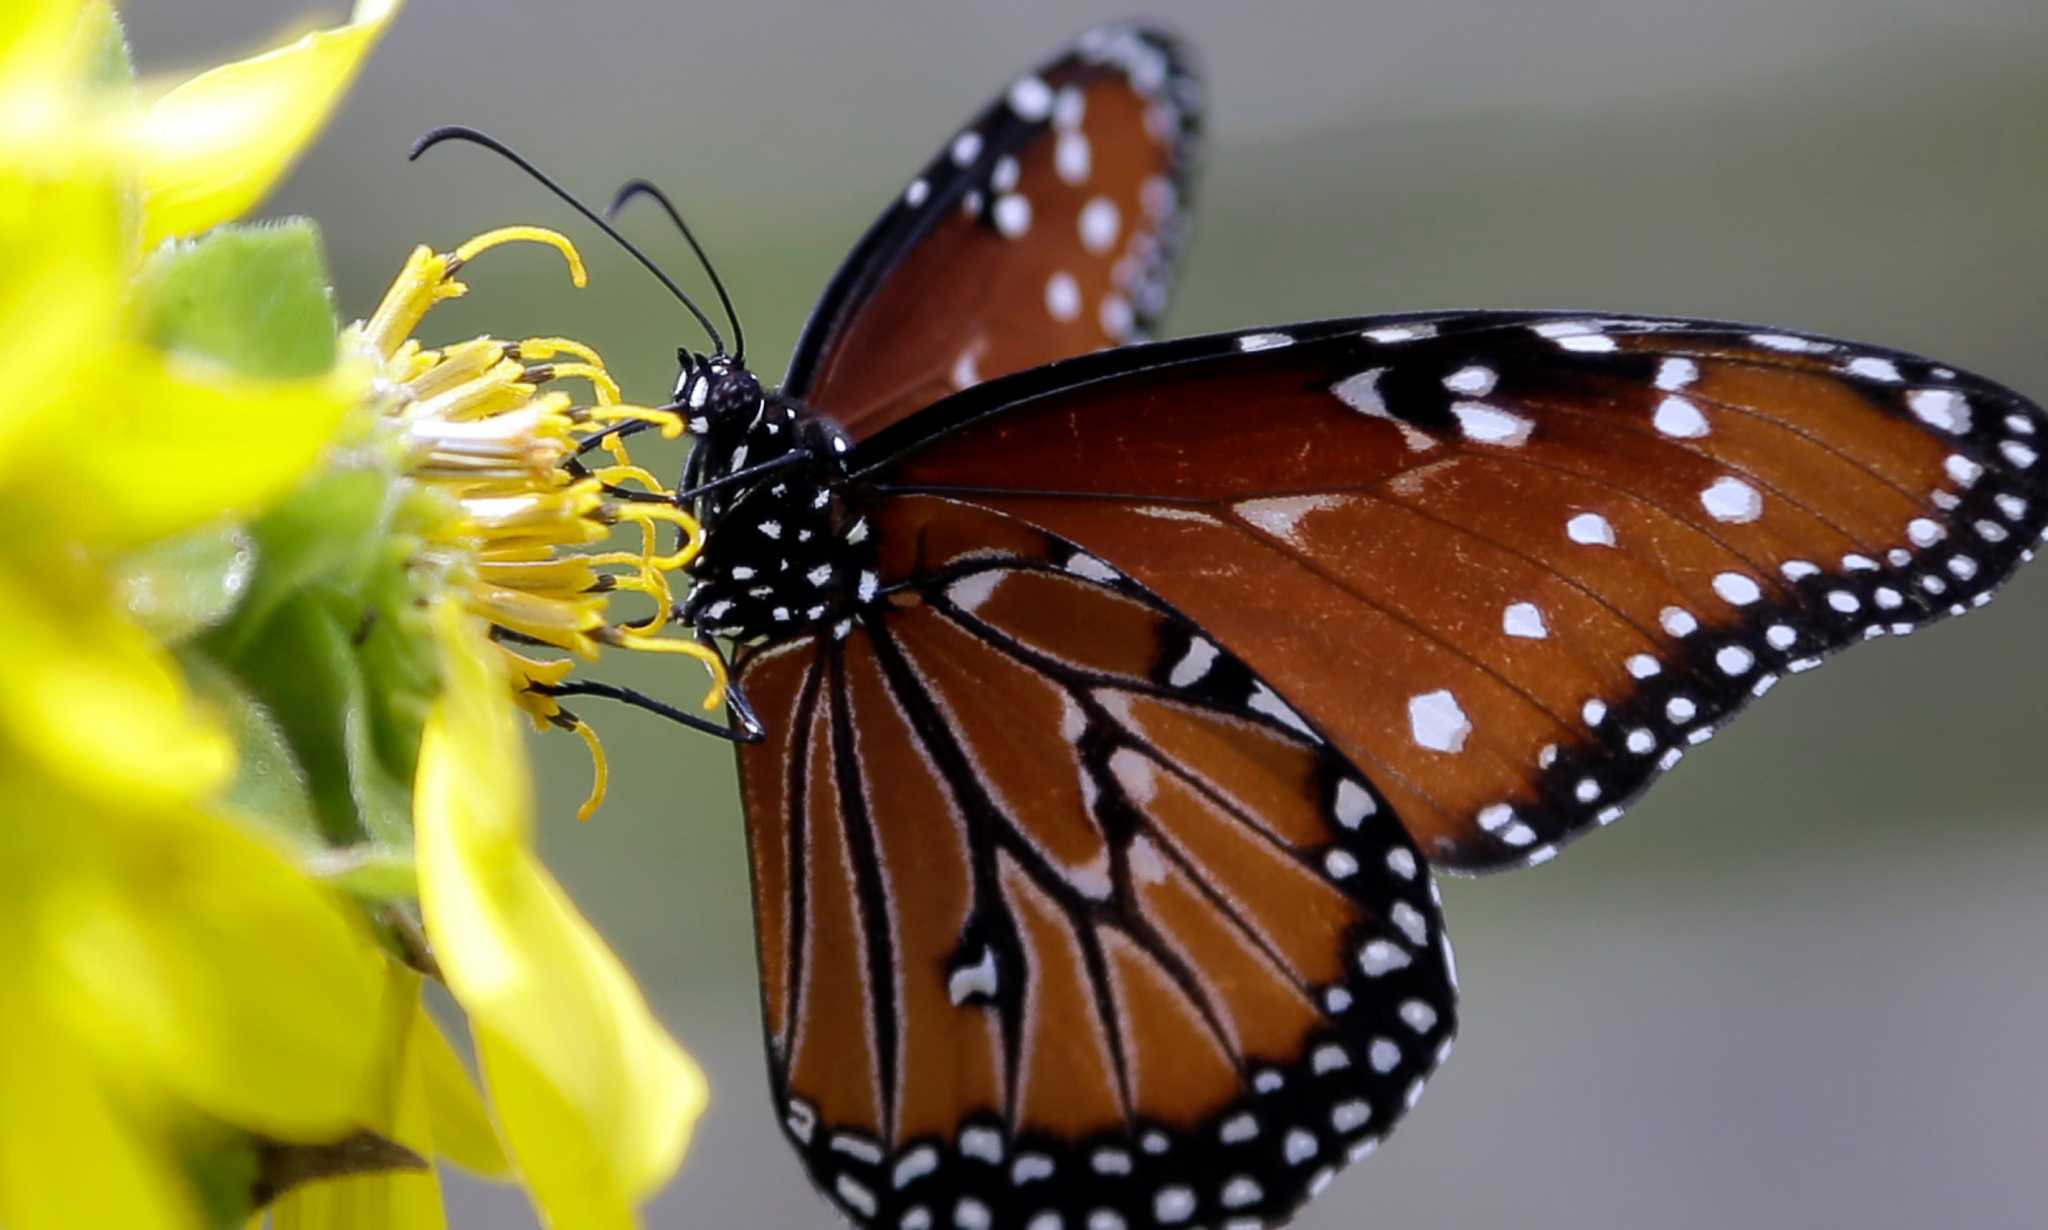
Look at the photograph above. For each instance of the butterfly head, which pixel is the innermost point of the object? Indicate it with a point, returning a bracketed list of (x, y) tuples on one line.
[(716, 392)]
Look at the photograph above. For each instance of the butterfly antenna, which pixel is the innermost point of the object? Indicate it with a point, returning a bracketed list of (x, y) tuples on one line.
[(641, 187), (459, 132)]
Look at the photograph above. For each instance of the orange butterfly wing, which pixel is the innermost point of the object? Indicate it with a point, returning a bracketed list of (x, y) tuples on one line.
[(1049, 927), (1049, 226), (1513, 566)]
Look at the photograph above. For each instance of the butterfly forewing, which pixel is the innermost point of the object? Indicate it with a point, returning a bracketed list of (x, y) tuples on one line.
[(1513, 566), (1048, 227), (1059, 924)]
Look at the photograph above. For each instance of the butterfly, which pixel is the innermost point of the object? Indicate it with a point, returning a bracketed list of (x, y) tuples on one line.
[(1115, 703)]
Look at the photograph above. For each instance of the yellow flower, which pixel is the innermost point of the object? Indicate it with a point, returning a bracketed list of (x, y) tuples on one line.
[(168, 970), (250, 695), (180, 993)]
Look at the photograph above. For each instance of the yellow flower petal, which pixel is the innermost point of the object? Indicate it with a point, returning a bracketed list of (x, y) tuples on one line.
[(426, 1099), (212, 147), (596, 1100), (192, 950), (63, 254), (176, 444), (463, 1132), (70, 1153), (404, 1201), (91, 700)]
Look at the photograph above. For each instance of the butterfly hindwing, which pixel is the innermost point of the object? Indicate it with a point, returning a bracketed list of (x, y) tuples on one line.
[(1047, 227), (1512, 565), (1084, 925)]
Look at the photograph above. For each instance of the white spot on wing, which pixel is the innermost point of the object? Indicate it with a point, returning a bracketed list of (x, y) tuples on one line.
[(1524, 619), (1263, 341), (1387, 335), (1082, 564), (969, 592), (1941, 408), (1473, 380), (1361, 392), (1264, 700), (1012, 214), (965, 373), (1070, 156), (1731, 499), (1680, 419), (976, 979), (1062, 296), (1280, 515), (1789, 344), (1134, 773), (1099, 224), (1736, 588), (1031, 99), (1675, 374), (1590, 529), (1487, 425), (1193, 664), (1438, 722)]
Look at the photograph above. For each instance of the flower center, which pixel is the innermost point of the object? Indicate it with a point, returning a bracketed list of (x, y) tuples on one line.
[(548, 520)]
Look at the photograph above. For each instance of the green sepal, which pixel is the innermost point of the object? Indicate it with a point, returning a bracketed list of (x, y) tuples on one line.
[(108, 65), (328, 532), (179, 587), (372, 872), (305, 672), (251, 297), (270, 789)]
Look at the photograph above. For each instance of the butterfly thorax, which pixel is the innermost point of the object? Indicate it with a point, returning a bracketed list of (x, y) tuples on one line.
[(784, 553)]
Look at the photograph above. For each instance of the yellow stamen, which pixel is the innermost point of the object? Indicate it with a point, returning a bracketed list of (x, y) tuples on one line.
[(688, 649), (669, 421), (537, 542), (600, 770), (548, 347), (693, 533), (527, 234), (600, 380)]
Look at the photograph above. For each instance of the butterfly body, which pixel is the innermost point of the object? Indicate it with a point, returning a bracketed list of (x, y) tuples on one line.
[(1122, 701), (788, 555)]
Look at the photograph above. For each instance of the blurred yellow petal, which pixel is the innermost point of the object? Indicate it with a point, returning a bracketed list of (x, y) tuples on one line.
[(404, 1201), (193, 949), (64, 257), (463, 1132), (426, 1099), (181, 444), (35, 35), (91, 700), (595, 1099), (70, 1154), (212, 147)]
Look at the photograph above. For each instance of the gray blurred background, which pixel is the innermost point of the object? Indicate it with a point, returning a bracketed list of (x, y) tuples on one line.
[(1803, 985)]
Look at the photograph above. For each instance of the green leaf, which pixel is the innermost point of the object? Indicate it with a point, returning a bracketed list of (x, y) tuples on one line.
[(182, 586), (252, 297), (269, 787)]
